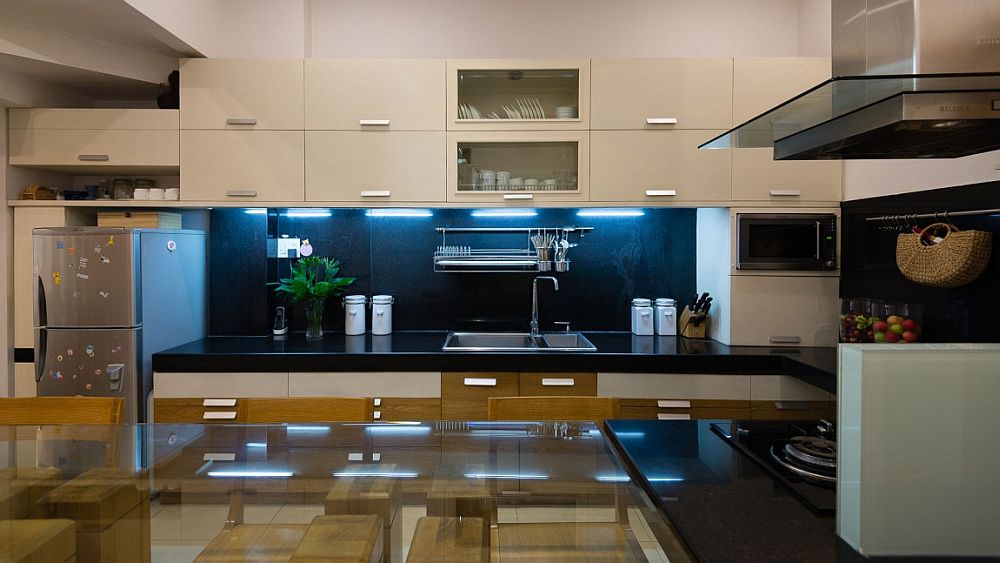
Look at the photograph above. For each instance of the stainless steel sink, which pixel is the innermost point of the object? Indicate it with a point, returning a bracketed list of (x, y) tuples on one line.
[(517, 342)]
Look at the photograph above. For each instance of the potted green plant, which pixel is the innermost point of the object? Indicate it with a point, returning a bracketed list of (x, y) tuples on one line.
[(311, 281)]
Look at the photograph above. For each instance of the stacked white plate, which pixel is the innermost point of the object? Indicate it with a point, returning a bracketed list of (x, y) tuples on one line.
[(566, 112)]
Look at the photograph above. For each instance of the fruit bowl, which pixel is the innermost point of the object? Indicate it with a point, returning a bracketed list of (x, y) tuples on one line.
[(899, 323), (856, 321)]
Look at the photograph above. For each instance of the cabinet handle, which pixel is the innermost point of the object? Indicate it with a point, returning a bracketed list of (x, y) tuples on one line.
[(792, 405), (355, 456), (558, 382), (94, 157), (222, 415), (377, 401), (674, 404), (219, 457), (376, 193), (376, 457), (241, 193), (661, 121), (785, 193), (382, 122), (784, 339), (661, 193), (672, 416), (519, 196), (241, 121), (219, 403), (377, 415), (480, 381)]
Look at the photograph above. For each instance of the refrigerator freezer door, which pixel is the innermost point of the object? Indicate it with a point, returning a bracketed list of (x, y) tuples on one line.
[(85, 278), (91, 363)]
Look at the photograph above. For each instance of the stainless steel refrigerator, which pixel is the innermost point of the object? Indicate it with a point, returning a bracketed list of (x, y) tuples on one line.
[(106, 299)]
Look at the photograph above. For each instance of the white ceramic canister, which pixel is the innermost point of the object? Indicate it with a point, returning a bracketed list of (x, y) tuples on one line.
[(665, 317), (642, 317), (382, 314), (354, 314)]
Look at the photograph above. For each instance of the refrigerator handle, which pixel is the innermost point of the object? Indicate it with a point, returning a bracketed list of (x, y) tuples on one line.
[(39, 309), (40, 345)]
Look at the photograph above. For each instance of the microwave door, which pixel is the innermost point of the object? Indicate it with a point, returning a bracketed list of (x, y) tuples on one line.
[(781, 245)]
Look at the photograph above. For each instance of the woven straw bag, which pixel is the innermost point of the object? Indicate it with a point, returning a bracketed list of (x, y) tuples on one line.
[(958, 259)]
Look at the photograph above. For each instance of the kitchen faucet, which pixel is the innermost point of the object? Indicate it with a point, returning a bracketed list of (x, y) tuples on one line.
[(534, 301)]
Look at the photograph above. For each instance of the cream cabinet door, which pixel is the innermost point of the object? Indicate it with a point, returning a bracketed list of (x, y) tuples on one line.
[(83, 150), (361, 95), (760, 84), (241, 94), (784, 310), (376, 166), (94, 118), (674, 385), (758, 177), (657, 167), (661, 93), (242, 165)]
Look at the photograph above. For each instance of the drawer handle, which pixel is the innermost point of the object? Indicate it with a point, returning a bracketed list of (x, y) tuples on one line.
[(558, 382), (674, 404), (376, 193), (226, 415), (241, 121), (792, 405), (519, 196), (480, 381), (94, 157), (219, 457), (241, 193), (785, 193), (784, 339), (376, 457), (377, 401), (219, 403), (380, 122), (661, 193), (672, 416), (661, 120), (355, 456), (377, 415)]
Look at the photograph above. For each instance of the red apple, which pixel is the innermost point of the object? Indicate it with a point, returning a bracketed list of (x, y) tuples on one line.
[(891, 337), (910, 336), (910, 325), (880, 326)]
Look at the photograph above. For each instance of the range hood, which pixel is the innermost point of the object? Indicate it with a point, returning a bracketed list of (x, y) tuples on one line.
[(914, 79)]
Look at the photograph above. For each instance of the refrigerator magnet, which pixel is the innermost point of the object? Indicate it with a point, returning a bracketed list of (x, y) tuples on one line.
[(57, 375), (83, 262), (59, 358), (71, 250), (104, 294), (97, 249), (82, 276), (105, 260), (60, 245), (69, 351), (111, 240), (89, 349), (88, 386), (56, 278)]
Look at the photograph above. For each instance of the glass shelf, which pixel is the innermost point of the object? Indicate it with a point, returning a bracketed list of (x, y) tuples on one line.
[(534, 166)]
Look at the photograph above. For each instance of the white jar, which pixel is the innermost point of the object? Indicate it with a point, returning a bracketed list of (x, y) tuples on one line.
[(665, 317), (642, 317), (382, 314), (354, 314)]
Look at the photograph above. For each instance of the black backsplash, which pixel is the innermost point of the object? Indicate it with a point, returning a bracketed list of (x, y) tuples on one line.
[(868, 261), (652, 255)]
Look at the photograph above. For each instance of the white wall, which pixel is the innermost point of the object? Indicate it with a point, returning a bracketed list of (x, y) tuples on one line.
[(814, 29), (267, 29), (872, 178), (199, 23)]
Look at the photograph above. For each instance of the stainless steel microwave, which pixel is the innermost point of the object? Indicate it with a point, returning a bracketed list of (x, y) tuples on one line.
[(786, 241)]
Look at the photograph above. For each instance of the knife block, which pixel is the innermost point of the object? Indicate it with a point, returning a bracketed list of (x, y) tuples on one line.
[(687, 327)]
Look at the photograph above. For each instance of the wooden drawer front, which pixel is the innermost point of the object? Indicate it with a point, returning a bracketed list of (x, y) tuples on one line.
[(684, 409), (792, 410), (678, 386), (375, 166), (242, 165), (657, 167), (648, 93), (357, 95), (464, 395), (812, 298), (758, 177), (196, 410), (554, 384), (241, 94), (87, 148), (407, 408)]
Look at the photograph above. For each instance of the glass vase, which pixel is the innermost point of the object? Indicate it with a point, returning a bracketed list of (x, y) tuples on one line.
[(314, 319)]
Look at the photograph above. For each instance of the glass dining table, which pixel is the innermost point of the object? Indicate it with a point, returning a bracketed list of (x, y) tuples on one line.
[(416, 491)]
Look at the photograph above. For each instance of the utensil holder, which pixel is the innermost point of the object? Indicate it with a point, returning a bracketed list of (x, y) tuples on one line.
[(562, 265), (544, 266), (687, 326)]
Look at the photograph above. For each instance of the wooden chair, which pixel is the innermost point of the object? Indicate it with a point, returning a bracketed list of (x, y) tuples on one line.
[(597, 409), (307, 409), (61, 410)]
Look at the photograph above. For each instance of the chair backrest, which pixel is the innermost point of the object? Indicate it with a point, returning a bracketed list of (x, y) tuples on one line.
[(307, 409), (61, 410), (597, 409)]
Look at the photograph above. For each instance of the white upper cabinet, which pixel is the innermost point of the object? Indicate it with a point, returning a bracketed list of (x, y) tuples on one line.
[(760, 84), (371, 95), (242, 94), (661, 93)]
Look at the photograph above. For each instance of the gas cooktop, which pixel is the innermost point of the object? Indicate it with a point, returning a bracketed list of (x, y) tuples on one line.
[(802, 455)]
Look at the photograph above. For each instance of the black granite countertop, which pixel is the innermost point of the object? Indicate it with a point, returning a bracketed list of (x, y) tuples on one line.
[(421, 351), (723, 505)]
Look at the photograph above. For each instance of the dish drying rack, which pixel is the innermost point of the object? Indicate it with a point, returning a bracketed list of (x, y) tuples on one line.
[(529, 258)]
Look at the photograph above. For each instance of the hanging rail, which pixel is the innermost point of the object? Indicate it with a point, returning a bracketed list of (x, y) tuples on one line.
[(938, 215)]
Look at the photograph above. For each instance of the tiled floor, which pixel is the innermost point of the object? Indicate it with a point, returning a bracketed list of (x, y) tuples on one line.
[(180, 532)]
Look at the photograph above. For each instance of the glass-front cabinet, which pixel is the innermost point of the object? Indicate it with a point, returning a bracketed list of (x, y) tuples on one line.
[(534, 95), (518, 167)]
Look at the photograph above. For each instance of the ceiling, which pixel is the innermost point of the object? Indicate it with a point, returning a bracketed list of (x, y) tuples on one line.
[(89, 84)]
